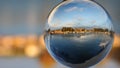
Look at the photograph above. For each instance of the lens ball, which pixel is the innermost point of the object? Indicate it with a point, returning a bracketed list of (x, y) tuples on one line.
[(79, 33)]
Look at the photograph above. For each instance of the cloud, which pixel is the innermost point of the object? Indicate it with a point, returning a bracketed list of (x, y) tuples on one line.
[(79, 18), (54, 23), (70, 24), (74, 9), (93, 22)]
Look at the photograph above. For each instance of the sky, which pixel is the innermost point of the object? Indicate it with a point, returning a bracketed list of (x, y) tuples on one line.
[(79, 14)]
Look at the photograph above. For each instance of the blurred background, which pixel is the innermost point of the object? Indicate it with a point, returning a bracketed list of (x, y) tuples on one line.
[(21, 34)]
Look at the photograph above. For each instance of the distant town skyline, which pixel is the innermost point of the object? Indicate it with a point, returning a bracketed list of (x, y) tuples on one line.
[(70, 30)]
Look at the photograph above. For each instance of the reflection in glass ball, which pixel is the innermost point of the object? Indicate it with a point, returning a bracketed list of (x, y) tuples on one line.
[(79, 33)]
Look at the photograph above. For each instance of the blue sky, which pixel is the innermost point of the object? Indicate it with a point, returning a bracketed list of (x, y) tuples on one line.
[(79, 14)]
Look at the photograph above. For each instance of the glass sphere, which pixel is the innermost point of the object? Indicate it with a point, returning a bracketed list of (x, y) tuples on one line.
[(79, 33)]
